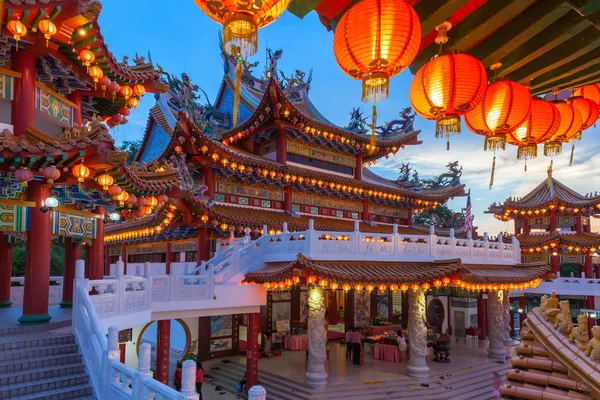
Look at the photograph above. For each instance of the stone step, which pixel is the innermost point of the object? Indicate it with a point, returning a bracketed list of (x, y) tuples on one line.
[(17, 330), (38, 374), (39, 362), (33, 352), (43, 387), (25, 341), (81, 392)]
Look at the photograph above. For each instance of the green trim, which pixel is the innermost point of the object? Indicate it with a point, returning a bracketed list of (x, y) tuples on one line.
[(5, 304), (300, 8), (39, 319), (66, 304)]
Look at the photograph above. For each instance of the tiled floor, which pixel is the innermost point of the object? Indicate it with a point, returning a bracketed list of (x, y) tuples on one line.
[(9, 319)]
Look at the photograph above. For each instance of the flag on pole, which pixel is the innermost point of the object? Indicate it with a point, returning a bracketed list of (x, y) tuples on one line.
[(468, 224)]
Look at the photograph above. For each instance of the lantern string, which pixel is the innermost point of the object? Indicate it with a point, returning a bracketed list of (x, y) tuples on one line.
[(493, 171), (237, 89), (549, 179), (373, 139), (525, 165), (572, 154)]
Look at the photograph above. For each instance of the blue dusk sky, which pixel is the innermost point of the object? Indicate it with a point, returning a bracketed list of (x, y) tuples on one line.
[(180, 38)]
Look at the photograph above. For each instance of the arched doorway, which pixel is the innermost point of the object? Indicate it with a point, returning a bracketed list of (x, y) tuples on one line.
[(436, 315)]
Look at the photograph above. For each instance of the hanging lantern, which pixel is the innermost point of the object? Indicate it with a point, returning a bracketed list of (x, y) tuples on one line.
[(141, 201), (382, 288), (334, 286), (358, 287), (47, 28), (81, 172), (17, 29), (241, 21), (114, 88), (375, 40), (162, 198), (152, 202), (447, 87), (425, 286), (267, 285), (224, 226), (133, 102), (118, 118), (105, 180), (95, 73), (323, 282), (24, 175), (404, 287), (121, 197), (124, 111), (588, 108), (311, 279), (131, 201), (570, 126), (170, 215), (591, 92), (394, 288), (139, 213), (289, 282), (139, 90), (105, 84), (437, 283), (346, 287), (115, 190), (87, 56), (51, 173), (543, 122), (446, 281), (204, 219), (126, 91), (414, 287)]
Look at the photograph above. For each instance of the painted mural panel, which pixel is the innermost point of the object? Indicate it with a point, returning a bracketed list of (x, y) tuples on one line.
[(221, 325), (53, 106), (362, 307), (14, 218), (281, 311), (383, 306), (73, 225), (261, 193), (221, 345), (282, 295)]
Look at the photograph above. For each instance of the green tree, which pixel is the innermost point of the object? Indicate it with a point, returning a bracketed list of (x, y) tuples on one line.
[(442, 216), (57, 260), (132, 147)]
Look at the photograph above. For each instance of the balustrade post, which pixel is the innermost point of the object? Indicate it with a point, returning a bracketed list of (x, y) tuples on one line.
[(211, 281), (113, 354), (285, 227), (120, 269), (144, 361), (311, 237), (188, 381), (257, 393), (432, 241), (395, 239), (452, 243), (486, 244), (469, 234), (147, 271)]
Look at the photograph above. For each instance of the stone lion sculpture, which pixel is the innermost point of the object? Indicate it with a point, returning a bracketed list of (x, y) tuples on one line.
[(564, 317), (549, 307), (579, 335), (593, 346)]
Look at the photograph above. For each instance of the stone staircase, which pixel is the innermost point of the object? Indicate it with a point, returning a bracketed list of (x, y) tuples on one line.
[(42, 365), (474, 383)]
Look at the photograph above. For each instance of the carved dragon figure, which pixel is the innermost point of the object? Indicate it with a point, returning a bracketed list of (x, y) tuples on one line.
[(397, 126), (273, 57), (357, 123), (404, 180), (450, 178)]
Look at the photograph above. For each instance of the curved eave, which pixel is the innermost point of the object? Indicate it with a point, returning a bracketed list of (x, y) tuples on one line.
[(580, 239)]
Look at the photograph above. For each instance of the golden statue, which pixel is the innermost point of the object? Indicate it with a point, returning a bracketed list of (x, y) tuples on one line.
[(593, 346), (563, 320), (579, 335), (549, 307)]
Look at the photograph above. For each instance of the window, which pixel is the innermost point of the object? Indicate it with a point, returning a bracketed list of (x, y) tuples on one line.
[(319, 164)]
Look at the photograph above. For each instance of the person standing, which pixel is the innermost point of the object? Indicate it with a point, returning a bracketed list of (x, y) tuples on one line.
[(357, 339), (199, 379), (177, 380), (349, 343), (401, 345)]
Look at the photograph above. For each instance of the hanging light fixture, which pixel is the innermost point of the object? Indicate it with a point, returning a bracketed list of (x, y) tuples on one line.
[(375, 40), (105, 180), (115, 190), (591, 92), (241, 21), (95, 73), (133, 102), (47, 28), (24, 175), (17, 29), (139, 90), (126, 91), (448, 86), (80, 171), (87, 56), (51, 173)]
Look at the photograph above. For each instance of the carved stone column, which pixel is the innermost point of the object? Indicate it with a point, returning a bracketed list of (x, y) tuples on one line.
[(417, 335), (188, 381), (257, 393), (317, 338), (506, 304), (495, 322)]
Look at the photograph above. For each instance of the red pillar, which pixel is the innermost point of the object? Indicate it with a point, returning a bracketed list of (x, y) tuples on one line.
[(332, 315), (281, 146), (5, 270), (75, 97), (252, 352), (410, 217), (578, 224), (162, 350), (588, 269), (208, 176), (287, 198), (517, 229), (203, 244), (37, 258), (481, 317), (523, 315), (365, 210), (555, 262), (88, 262), (97, 248), (106, 260), (553, 221), (168, 258), (124, 258), (590, 304), (72, 254), (23, 106), (123, 349), (526, 226), (358, 168)]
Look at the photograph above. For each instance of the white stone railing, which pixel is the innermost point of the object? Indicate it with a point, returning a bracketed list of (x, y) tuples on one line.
[(183, 287), (55, 293), (565, 286)]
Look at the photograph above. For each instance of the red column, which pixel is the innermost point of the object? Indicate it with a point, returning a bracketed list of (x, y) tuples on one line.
[(526, 226), (5, 270), (588, 269), (23, 105), (123, 349), (97, 248), (287, 198), (553, 221), (332, 309), (203, 244), (281, 146), (481, 317), (208, 176), (358, 168), (124, 258), (72, 254), (578, 223), (88, 262), (555, 262), (162, 350), (252, 352), (365, 210), (168, 258), (37, 258), (410, 217), (75, 97), (523, 315), (106, 260), (590, 304), (517, 229)]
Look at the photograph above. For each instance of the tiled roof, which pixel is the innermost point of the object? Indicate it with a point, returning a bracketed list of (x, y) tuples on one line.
[(582, 239), (257, 217), (401, 272)]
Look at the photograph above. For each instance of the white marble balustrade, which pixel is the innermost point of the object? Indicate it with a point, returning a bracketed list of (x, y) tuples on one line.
[(17, 289)]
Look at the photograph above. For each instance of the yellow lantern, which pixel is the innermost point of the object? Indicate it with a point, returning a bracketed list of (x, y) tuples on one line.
[(334, 286), (133, 102), (358, 287), (382, 288), (414, 287), (394, 288), (370, 288), (121, 197), (95, 73), (105, 180), (323, 282), (81, 172), (17, 29), (346, 287), (152, 202), (204, 218), (139, 90), (47, 28), (224, 226), (425, 286)]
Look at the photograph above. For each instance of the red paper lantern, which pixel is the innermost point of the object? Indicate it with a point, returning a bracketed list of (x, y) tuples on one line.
[(588, 108), (591, 92), (447, 87), (104, 83), (124, 111), (24, 175), (141, 201), (115, 190), (162, 198), (375, 40), (132, 200), (569, 128), (87, 56), (542, 124), (126, 92), (51, 173)]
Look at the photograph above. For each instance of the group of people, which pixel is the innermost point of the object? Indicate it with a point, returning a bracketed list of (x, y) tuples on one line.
[(199, 377), (354, 341)]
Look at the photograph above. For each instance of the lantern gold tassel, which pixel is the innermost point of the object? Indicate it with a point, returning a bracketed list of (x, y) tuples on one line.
[(525, 165), (375, 87), (572, 154), (495, 142), (237, 90), (493, 171), (373, 139), (447, 126)]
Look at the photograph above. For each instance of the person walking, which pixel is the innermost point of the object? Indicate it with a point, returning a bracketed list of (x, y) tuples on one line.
[(177, 380), (349, 343), (199, 379), (357, 339), (401, 344)]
